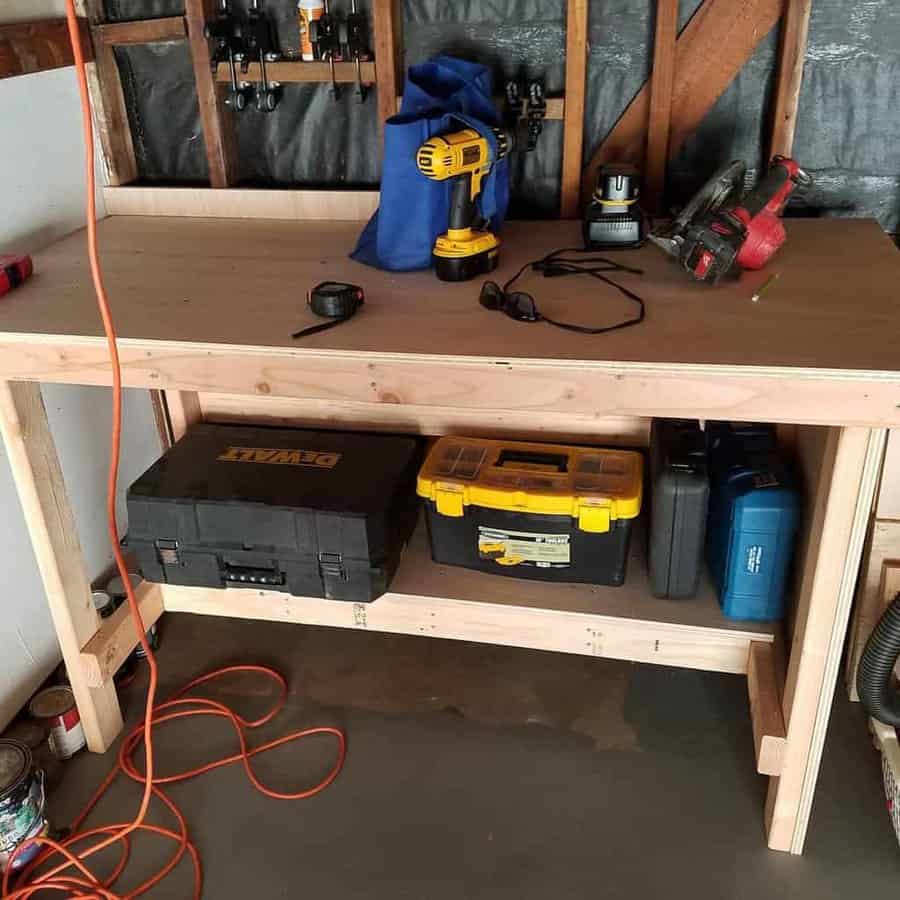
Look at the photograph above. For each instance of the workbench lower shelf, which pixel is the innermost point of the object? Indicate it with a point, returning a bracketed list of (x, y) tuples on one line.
[(432, 600)]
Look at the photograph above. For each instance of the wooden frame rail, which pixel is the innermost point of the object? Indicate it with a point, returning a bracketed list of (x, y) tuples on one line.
[(29, 47), (689, 73), (216, 119), (144, 31), (709, 52)]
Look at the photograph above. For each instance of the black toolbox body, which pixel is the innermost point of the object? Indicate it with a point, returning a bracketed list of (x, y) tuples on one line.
[(314, 513), (595, 558), (679, 502)]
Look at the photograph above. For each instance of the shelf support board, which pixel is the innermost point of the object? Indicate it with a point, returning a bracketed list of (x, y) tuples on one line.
[(107, 650), (769, 739)]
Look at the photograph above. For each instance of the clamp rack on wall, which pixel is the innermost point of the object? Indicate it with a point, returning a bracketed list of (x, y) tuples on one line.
[(685, 82)]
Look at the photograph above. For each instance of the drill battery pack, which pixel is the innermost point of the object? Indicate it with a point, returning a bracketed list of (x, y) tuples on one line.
[(679, 499), (613, 220), (312, 513), (754, 512), (540, 511)]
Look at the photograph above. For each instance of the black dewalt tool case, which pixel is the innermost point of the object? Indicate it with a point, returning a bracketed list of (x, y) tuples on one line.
[(314, 513), (679, 501)]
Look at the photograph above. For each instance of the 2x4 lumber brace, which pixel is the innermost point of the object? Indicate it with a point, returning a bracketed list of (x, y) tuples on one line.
[(791, 55), (661, 85), (386, 24), (107, 650), (241, 203), (882, 553), (28, 47), (161, 418), (555, 111), (293, 72), (710, 51), (144, 31), (57, 549), (769, 740), (108, 104), (184, 411), (573, 127), (215, 117), (297, 72), (888, 506)]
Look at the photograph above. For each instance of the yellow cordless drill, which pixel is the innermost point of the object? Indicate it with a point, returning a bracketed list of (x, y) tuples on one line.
[(462, 252)]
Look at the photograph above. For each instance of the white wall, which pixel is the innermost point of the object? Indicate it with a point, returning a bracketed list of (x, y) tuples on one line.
[(42, 185), (31, 10)]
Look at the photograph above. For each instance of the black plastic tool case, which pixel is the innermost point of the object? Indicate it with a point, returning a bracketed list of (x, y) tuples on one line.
[(315, 513), (679, 499)]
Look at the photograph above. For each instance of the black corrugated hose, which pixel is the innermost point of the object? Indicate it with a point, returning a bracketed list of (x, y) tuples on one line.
[(874, 677)]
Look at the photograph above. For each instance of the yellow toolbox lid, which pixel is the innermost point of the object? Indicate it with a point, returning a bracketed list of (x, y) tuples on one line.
[(592, 485)]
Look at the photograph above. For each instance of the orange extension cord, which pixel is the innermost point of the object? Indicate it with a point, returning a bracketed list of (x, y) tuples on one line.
[(60, 867)]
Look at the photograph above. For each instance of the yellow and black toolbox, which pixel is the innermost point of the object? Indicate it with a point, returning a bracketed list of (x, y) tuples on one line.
[(542, 511)]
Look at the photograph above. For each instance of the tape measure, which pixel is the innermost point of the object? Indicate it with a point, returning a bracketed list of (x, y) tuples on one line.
[(335, 300)]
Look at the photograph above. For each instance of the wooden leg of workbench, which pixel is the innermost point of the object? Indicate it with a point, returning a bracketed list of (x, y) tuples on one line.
[(845, 488), (184, 411), (57, 550)]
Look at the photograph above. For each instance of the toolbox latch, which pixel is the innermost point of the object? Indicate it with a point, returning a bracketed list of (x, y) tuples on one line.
[(450, 500), (331, 565), (167, 552), (594, 519)]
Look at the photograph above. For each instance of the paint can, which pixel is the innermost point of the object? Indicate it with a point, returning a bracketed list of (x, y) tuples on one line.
[(116, 590), (103, 603), (56, 706), (307, 12), (22, 803)]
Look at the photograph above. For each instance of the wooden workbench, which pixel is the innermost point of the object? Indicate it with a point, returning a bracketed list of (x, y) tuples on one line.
[(205, 308)]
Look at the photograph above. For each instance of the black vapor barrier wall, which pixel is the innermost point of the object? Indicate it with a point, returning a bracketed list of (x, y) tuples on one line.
[(848, 133)]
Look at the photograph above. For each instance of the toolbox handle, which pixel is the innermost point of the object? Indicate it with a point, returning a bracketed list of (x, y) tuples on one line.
[(527, 459), (251, 575)]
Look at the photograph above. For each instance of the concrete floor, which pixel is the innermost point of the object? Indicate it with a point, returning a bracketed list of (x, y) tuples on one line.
[(484, 772)]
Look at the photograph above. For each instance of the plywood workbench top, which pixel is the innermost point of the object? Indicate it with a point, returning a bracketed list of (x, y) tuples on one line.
[(240, 283), (209, 305)]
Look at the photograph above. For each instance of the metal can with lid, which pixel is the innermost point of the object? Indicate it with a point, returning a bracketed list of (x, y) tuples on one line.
[(103, 603), (22, 803), (56, 706), (116, 590)]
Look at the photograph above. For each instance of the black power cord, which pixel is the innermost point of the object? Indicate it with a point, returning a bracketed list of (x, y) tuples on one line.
[(521, 306)]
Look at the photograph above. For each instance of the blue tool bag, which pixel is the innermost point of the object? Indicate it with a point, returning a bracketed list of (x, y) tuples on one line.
[(440, 96)]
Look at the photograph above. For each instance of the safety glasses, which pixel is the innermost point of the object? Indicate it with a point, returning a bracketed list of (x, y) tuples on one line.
[(521, 306), (516, 304)]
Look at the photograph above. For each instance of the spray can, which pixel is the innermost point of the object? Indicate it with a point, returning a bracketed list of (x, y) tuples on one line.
[(308, 11)]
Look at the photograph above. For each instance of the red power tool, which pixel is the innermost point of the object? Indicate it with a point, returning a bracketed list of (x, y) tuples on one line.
[(13, 271), (720, 231)]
